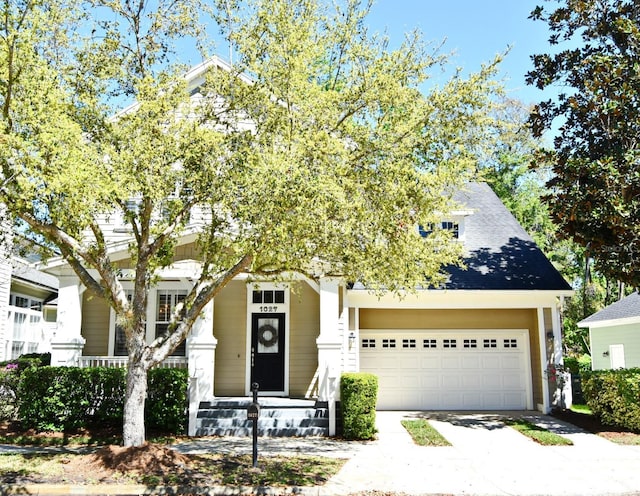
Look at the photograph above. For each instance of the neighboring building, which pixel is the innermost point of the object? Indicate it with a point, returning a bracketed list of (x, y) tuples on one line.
[(30, 311), (614, 334)]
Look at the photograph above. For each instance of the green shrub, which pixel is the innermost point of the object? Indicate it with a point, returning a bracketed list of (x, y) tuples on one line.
[(65, 398), (167, 402), (10, 372), (614, 396), (358, 393), (571, 364), (9, 380), (584, 363)]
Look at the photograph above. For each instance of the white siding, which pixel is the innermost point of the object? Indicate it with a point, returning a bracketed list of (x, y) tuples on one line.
[(5, 285)]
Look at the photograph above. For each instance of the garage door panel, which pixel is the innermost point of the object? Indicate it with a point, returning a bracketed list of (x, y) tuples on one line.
[(511, 362), (450, 381), (430, 381), (429, 362), (471, 400), (486, 370), (450, 362), (471, 381)]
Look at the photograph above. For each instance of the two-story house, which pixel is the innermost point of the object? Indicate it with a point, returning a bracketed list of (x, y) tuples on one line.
[(482, 341)]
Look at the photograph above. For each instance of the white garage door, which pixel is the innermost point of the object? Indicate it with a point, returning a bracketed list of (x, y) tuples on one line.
[(449, 370)]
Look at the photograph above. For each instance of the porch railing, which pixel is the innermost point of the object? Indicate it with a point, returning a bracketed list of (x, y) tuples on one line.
[(121, 362)]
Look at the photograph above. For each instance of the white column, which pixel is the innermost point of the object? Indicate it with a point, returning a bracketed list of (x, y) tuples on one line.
[(329, 348), (201, 354), (567, 392), (542, 337), (67, 344)]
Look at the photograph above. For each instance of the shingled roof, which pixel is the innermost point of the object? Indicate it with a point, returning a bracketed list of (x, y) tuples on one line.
[(626, 308), (500, 255)]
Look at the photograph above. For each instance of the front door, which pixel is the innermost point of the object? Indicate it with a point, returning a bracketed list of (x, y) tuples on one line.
[(268, 351)]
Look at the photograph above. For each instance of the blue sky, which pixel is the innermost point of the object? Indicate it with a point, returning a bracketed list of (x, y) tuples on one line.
[(475, 30)]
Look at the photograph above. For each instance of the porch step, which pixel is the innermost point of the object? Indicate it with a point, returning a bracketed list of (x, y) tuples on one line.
[(279, 417)]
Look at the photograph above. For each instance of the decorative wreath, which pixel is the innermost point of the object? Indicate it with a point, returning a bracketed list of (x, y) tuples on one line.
[(267, 335)]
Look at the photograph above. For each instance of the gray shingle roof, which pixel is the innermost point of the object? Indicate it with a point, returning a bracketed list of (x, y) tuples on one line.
[(625, 308), (499, 253)]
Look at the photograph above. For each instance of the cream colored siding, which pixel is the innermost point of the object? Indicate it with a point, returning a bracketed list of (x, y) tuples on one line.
[(230, 328), (304, 329), (186, 252), (95, 325), (627, 335), (371, 318)]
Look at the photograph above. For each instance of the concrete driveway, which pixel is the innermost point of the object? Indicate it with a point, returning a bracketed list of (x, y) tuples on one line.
[(487, 458)]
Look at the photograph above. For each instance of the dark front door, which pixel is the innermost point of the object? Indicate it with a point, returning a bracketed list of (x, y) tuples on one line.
[(267, 351)]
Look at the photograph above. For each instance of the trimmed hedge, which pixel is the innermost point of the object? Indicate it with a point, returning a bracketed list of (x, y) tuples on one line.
[(614, 396), (10, 373), (358, 397), (66, 398), (165, 408)]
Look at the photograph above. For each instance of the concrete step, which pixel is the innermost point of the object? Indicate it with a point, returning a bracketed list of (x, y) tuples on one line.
[(278, 417)]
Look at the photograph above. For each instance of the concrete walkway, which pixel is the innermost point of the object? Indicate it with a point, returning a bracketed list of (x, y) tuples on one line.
[(488, 458)]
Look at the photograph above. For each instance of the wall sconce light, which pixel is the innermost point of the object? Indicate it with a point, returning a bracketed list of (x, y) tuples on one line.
[(352, 339), (605, 354)]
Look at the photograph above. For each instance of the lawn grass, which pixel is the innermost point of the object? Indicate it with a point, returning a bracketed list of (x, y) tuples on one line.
[(581, 409), (424, 434), (537, 433), (207, 469)]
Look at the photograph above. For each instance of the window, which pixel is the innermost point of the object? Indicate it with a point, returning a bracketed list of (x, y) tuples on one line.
[(489, 343), (470, 343), (120, 343), (268, 296), (167, 300), (454, 227), (408, 343), (510, 343), (449, 343), (368, 343), (388, 343), (428, 343)]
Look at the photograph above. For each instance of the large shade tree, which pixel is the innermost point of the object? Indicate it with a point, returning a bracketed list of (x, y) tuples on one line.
[(595, 190), (314, 152)]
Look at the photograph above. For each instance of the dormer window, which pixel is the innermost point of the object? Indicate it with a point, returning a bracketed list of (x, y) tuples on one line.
[(454, 227)]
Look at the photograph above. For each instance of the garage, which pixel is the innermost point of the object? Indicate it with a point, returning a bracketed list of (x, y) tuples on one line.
[(449, 370)]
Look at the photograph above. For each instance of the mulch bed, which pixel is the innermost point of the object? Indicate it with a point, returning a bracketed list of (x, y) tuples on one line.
[(591, 424)]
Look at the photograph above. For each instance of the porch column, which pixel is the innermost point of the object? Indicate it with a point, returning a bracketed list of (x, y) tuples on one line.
[(329, 348), (68, 343), (565, 383), (201, 354)]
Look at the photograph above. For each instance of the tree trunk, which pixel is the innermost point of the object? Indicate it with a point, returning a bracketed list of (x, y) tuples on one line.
[(133, 433)]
